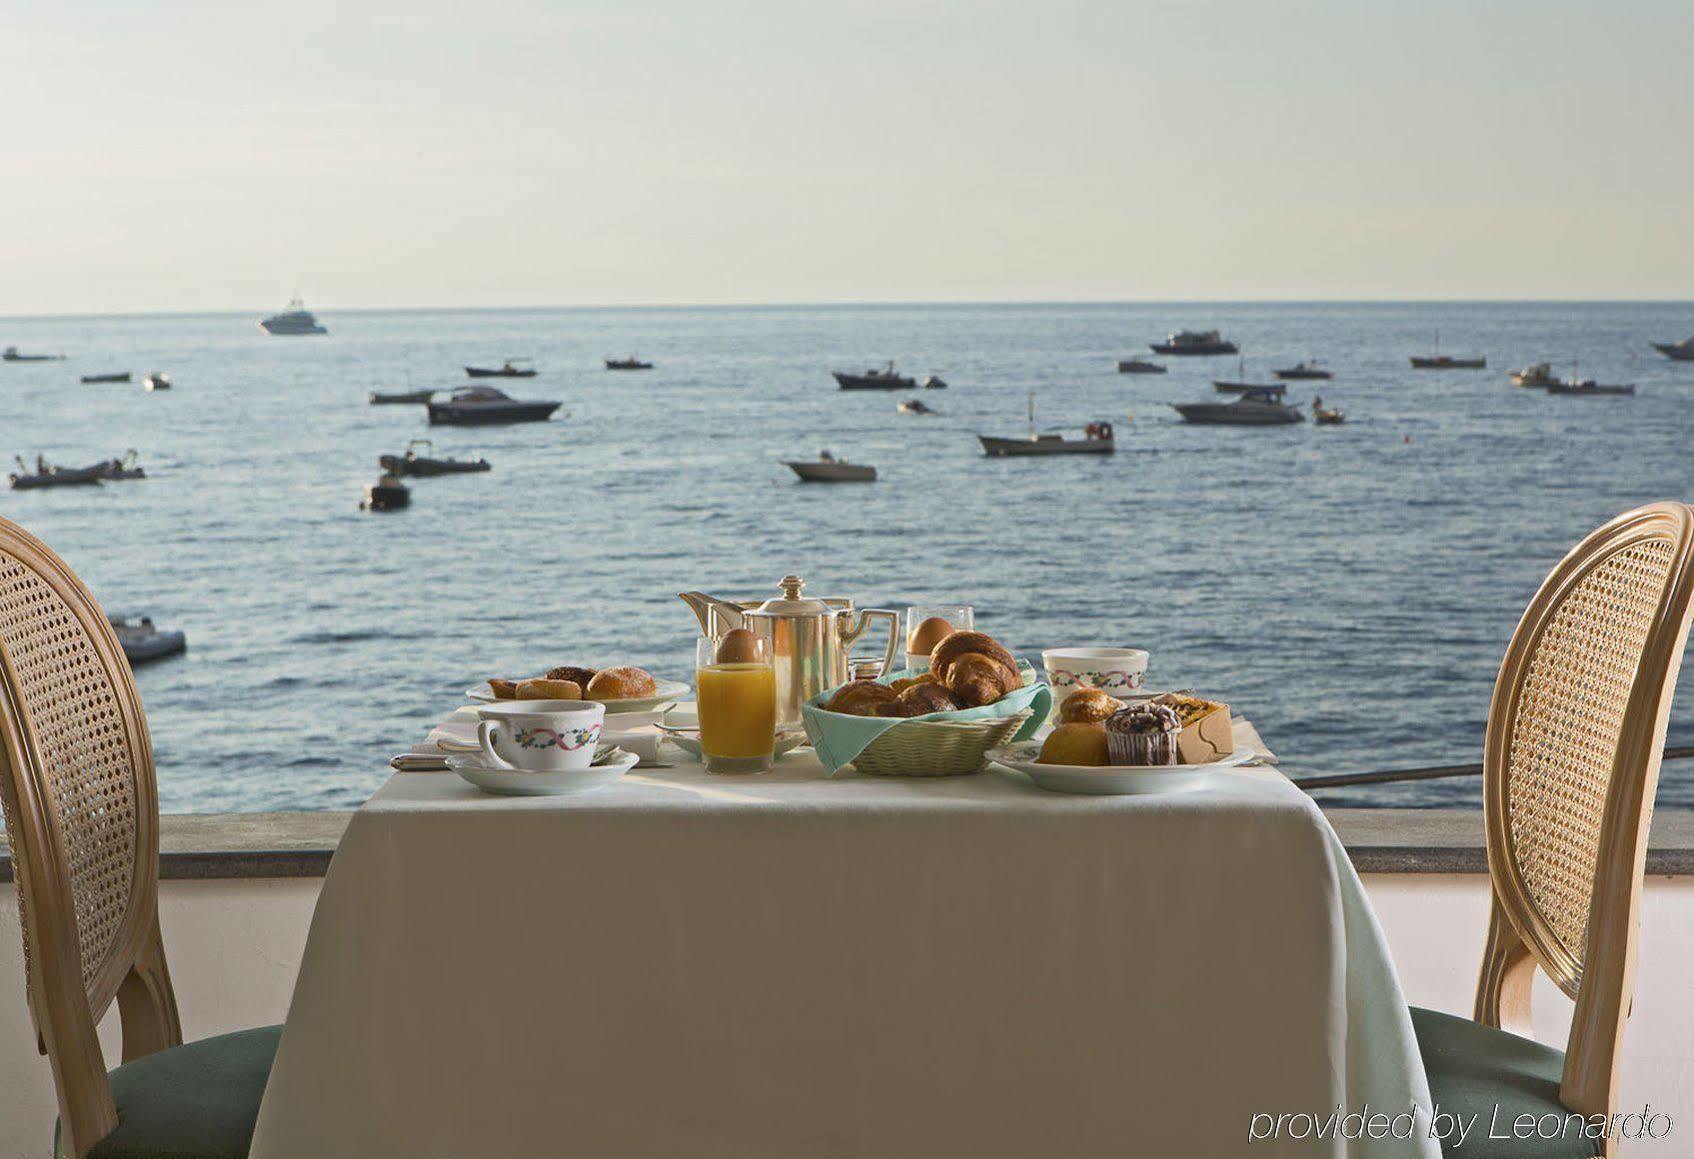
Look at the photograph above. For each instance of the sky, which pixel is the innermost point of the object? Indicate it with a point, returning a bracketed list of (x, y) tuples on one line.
[(176, 155)]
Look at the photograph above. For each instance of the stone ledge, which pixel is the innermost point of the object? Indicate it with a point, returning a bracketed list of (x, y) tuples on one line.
[(269, 845)]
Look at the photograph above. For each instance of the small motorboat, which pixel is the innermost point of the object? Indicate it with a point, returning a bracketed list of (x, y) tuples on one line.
[(1139, 366), (934, 382), (400, 397), (1304, 371), (487, 406), (126, 467), (878, 378), (412, 463), (509, 370), (630, 363), (1539, 374), (1589, 386), (1677, 351), (826, 468), (1097, 439), (1440, 361), (1241, 385), (48, 475), (1261, 408), (122, 376), (13, 354), (916, 406), (1189, 342), (1326, 416), (157, 381), (386, 494), (142, 642)]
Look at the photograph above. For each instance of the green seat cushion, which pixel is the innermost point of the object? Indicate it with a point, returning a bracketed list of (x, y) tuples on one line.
[(195, 1101), (1474, 1068)]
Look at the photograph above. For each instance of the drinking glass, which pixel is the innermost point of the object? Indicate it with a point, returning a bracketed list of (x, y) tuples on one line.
[(960, 616), (735, 688)]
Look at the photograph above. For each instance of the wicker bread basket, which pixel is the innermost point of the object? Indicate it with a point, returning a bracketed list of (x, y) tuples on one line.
[(937, 748)]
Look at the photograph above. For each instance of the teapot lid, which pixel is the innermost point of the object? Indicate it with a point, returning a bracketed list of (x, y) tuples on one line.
[(792, 603)]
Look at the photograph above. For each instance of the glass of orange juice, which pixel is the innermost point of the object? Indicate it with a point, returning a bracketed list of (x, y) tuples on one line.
[(735, 687)]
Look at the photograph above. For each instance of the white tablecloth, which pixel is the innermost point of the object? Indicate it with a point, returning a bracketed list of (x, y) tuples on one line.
[(789, 967)]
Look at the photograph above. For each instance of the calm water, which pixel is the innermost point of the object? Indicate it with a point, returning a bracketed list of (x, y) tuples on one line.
[(1349, 589)]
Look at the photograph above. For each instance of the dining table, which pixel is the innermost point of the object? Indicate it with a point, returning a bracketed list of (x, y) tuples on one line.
[(795, 965)]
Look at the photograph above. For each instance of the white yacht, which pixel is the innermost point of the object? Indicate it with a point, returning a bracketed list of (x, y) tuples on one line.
[(294, 320)]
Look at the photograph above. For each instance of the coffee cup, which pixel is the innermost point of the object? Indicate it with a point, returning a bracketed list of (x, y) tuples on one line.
[(1119, 671), (540, 735)]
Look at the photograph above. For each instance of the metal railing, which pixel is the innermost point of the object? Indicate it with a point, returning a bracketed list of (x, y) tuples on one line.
[(1430, 773)]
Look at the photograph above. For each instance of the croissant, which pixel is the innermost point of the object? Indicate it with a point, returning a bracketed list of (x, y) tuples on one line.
[(976, 679), (959, 644), (861, 698), (919, 699)]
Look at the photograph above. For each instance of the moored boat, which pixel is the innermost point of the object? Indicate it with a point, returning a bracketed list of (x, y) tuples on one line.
[(1259, 408), (935, 382), (1192, 342), (487, 406), (630, 363), (48, 475), (122, 376), (1589, 386), (1440, 361), (1139, 366), (157, 381), (412, 463), (400, 397), (1304, 371), (1241, 385), (1326, 416), (142, 641), (295, 320), (826, 468), (510, 369), (1677, 351), (1538, 374), (877, 378), (1097, 439), (916, 406), (13, 354), (386, 494)]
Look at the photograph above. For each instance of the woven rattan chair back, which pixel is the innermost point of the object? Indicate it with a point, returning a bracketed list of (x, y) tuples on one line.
[(1570, 767), (76, 780)]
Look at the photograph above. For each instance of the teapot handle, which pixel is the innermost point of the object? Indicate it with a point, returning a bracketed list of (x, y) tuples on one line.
[(893, 618)]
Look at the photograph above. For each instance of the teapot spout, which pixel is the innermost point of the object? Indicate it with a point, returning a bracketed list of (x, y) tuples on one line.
[(705, 607)]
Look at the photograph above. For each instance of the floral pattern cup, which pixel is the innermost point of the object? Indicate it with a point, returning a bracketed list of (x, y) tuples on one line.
[(1119, 671), (540, 735)]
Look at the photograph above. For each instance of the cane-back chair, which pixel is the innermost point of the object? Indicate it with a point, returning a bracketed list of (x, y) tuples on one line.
[(82, 813), (1570, 766)]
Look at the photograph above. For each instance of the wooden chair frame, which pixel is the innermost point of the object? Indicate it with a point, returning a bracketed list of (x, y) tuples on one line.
[(68, 996), (1600, 974)]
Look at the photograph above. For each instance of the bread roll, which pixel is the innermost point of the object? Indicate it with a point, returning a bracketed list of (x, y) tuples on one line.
[(503, 689), (620, 684), (1075, 744), (572, 672), (542, 688), (1088, 706)]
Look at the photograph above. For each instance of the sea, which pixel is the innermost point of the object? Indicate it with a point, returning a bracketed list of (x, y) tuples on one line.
[(1349, 589)]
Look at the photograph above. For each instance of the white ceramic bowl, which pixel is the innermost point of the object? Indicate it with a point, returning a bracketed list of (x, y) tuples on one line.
[(1119, 671)]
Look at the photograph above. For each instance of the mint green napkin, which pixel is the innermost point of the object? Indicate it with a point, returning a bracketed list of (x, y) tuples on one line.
[(838, 738)]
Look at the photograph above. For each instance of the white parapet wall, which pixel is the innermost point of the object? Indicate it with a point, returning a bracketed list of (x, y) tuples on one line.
[(235, 946)]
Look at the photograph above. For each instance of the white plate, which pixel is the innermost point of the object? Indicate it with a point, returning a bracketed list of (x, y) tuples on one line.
[(1110, 780), (665, 691), (609, 765), (689, 741)]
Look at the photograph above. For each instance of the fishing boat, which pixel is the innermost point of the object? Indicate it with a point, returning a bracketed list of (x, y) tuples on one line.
[(386, 494), (412, 463), (143, 642), (916, 406), (1259, 408), (120, 469), (1326, 416), (294, 321), (1677, 351), (877, 378), (1538, 374), (122, 376), (509, 369), (400, 397), (1304, 371), (47, 475), (1440, 361), (1589, 386), (630, 363), (1241, 385), (1194, 342), (1139, 366), (826, 468), (12, 354), (157, 381), (488, 405), (1097, 439)]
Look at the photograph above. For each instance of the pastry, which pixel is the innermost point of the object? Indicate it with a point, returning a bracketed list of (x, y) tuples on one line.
[(620, 684), (959, 644), (920, 699), (542, 688), (861, 698), (1088, 706), (572, 672), (1075, 744), (906, 682), (1143, 734), (503, 689), (927, 635), (1207, 732), (977, 679)]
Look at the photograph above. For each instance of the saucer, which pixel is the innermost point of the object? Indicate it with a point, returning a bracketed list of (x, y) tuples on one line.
[(688, 740), (664, 692), (609, 764)]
